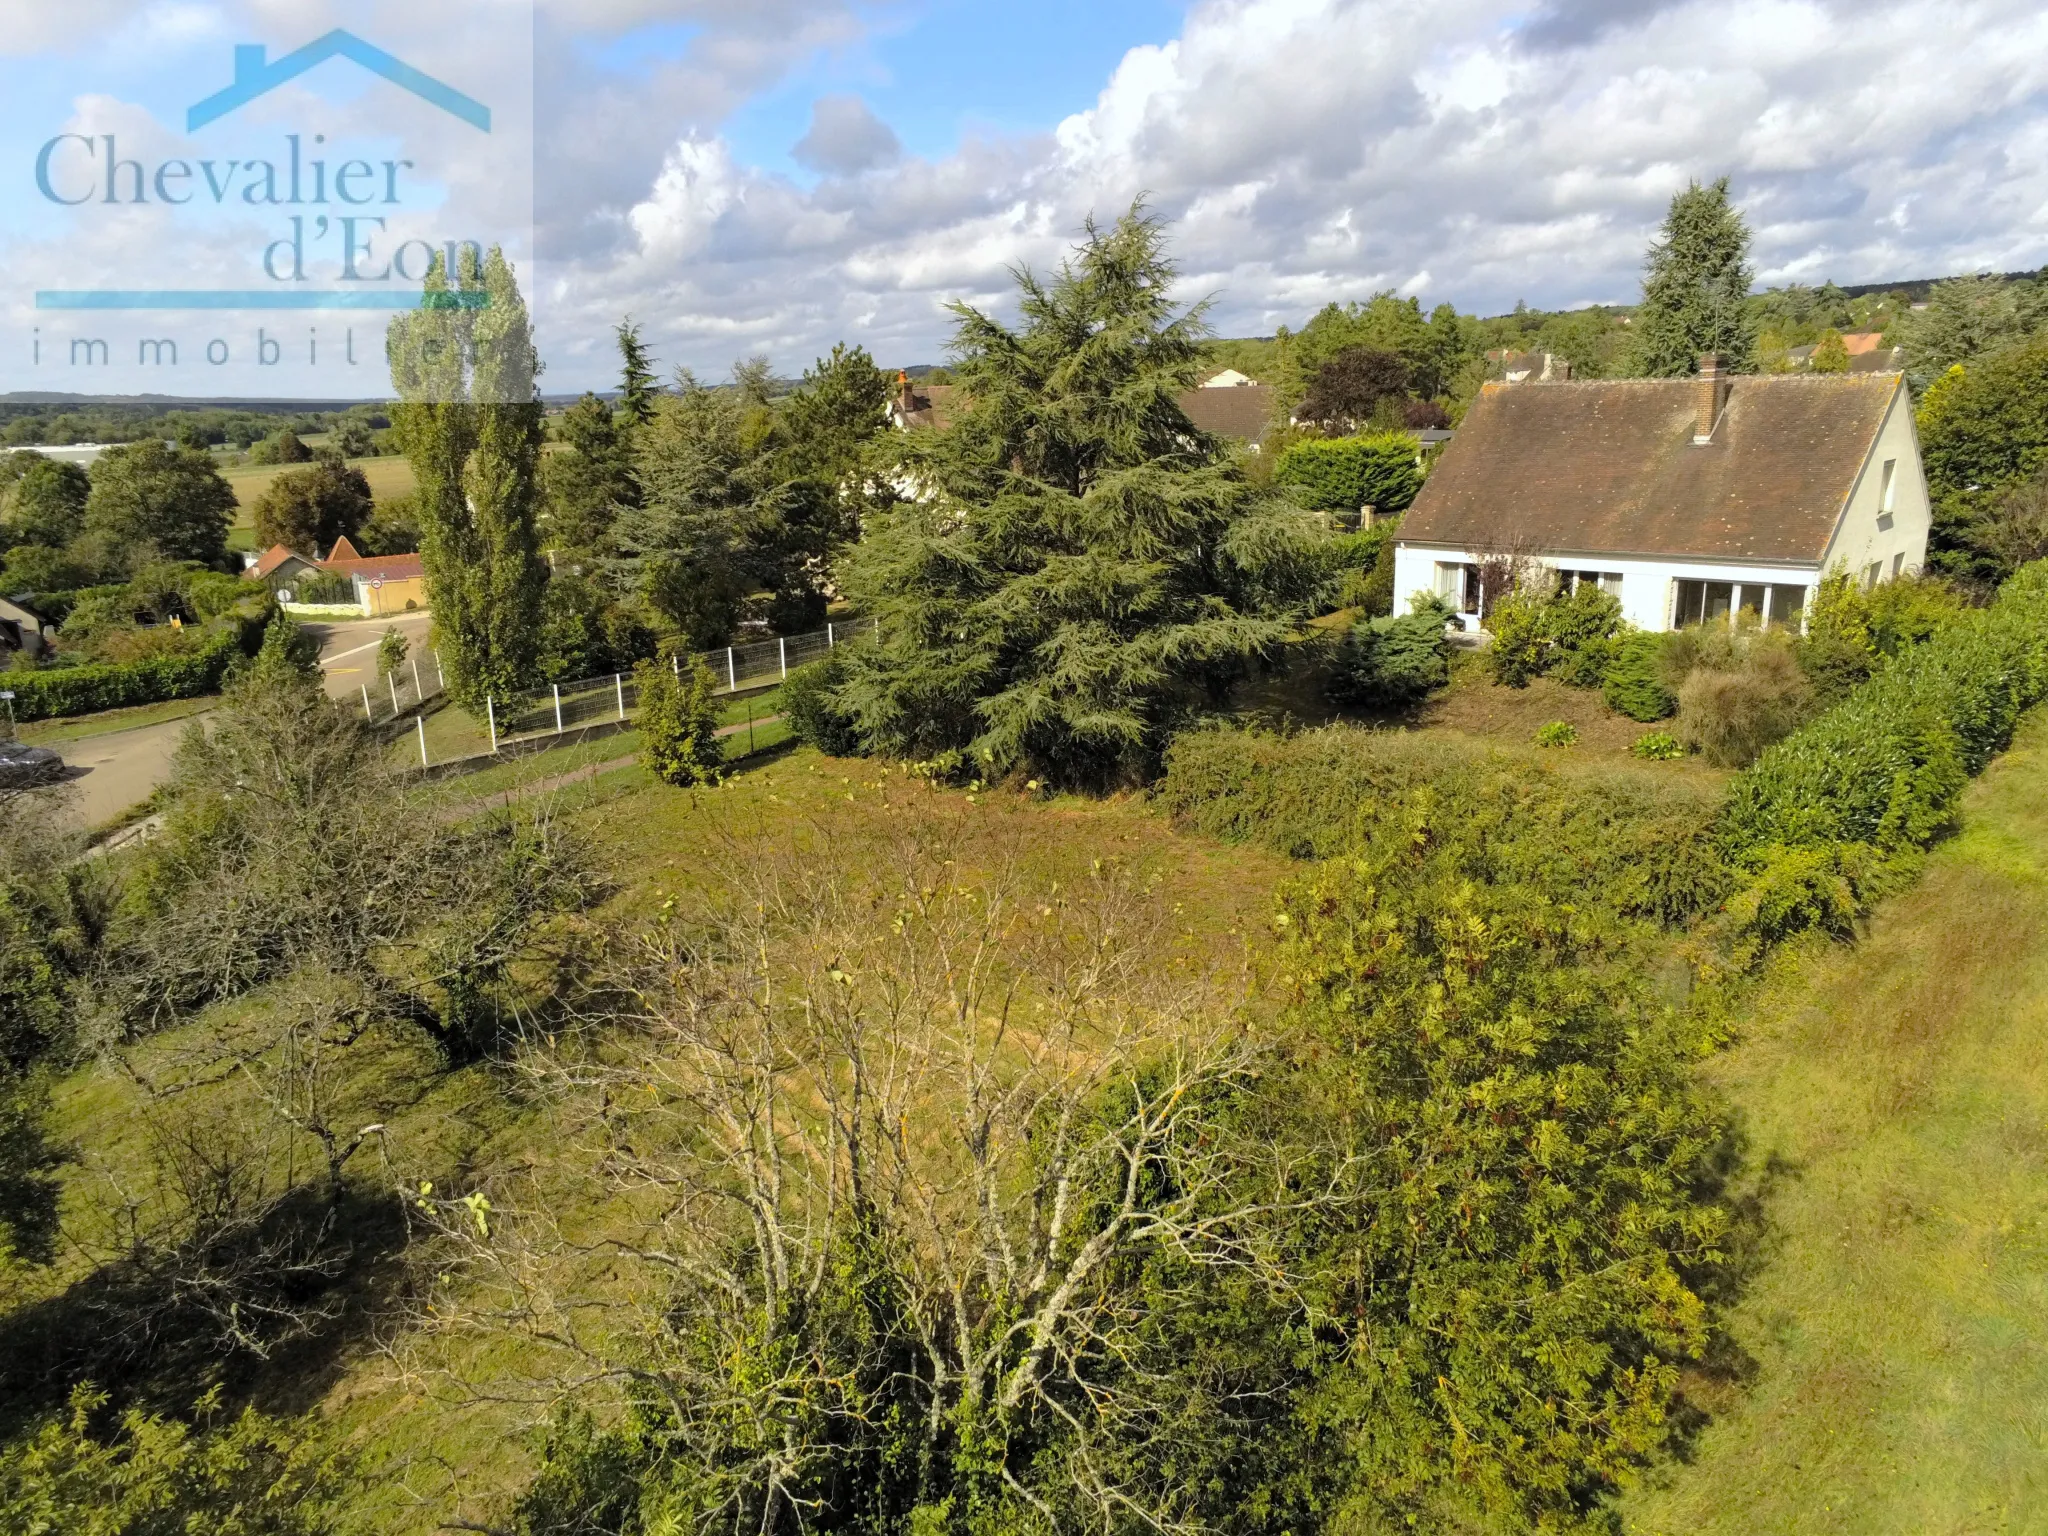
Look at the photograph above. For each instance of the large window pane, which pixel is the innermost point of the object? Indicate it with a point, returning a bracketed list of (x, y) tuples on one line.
[(1788, 606), (1720, 596), (1689, 608)]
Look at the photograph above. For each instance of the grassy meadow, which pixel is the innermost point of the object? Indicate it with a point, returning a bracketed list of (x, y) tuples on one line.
[(1889, 1361)]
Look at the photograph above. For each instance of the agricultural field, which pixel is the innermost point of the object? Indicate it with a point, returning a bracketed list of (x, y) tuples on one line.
[(389, 476)]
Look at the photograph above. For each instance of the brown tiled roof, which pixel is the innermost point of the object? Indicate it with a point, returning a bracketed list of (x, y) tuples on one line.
[(1242, 412), (388, 567), (933, 406), (271, 559), (1610, 467), (1856, 343)]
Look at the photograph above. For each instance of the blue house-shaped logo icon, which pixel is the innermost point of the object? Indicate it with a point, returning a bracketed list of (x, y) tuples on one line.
[(255, 77)]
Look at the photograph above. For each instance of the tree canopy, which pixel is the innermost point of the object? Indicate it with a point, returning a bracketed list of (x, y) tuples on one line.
[(1696, 288), (309, 509), (1081, 566), (150, 501)]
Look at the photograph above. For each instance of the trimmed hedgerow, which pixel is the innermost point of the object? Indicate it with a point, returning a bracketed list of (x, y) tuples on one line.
[(1343, 474), (88, 690), (1886, 765)]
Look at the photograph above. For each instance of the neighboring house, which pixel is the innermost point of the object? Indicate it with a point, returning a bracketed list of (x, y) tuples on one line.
[(1242, 412), (1529, 367), (1687, 499), (931, 406), (278, 567), (21, 629), (1229, 378), (384, 584)]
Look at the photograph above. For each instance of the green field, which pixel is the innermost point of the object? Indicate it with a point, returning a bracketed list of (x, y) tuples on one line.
[(389, 477), (1888, 1368)]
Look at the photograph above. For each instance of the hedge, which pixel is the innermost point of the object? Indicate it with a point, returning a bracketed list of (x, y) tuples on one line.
[(1885, 767), (1342, 474), (88, 690)]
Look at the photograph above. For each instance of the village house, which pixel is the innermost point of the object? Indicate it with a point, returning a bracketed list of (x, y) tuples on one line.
[(1687, 499), (382, 584)]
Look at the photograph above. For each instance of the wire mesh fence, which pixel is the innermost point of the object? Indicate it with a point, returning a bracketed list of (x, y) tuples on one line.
[(613, 698), (402, 692)]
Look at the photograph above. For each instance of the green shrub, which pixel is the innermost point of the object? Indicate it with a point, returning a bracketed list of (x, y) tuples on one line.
[(1366, 561), (1657, 747), (1391, 662), (1634, 685), (1519, 649), (813, 719), (90, 689), (1580, 627), (1557, 733), (1641, 849), (1886, 766), (1731, 710), (679, 723), (1343, 474)]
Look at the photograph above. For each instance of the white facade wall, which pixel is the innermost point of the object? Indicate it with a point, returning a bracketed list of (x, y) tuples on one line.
[(1649, 585), (1895, 541)]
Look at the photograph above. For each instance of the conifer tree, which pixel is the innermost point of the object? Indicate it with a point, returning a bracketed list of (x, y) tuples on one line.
[(469, 418), (636, 374), (1696, 289), (1086, 567)]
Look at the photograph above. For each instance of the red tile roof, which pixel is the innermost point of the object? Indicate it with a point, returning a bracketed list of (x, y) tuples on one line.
[(1611, 467), (1242, 411), (272, 558), (370, 567)]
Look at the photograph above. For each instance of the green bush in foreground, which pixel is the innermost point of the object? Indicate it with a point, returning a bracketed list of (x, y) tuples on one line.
[(679, 723), (90, 689), (1557, 733), (1391, 662), (807, 706), (1886, 766), (1634, 684), (1657, 747)]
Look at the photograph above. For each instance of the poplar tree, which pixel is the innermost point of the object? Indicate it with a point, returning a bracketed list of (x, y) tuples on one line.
[(1696, 289), (469, 419)]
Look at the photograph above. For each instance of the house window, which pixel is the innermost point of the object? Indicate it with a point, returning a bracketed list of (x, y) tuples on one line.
[(1888, 488), (1607, 581), (1458, 585), (1898, 564), (1873, 573), (1767, 604)]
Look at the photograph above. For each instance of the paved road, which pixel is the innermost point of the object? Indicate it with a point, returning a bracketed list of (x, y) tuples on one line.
[(348, 649), (122, 768)]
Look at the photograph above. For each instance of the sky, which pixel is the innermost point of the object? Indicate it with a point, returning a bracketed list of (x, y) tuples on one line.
[(769, 177)]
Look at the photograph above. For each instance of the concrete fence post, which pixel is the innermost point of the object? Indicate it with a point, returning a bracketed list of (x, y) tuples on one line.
[(732, 678), (782, 654), (491, 714), (391, 681), (619, 682), (421, 722), (368, 713), (419, 690), (558, 709), (829, 642)]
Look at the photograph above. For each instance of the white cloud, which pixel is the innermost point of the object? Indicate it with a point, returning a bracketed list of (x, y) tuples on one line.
[(846, 138)]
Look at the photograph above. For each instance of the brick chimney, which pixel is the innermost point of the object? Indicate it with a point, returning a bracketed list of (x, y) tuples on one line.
[(906, 398), (1710, 397)]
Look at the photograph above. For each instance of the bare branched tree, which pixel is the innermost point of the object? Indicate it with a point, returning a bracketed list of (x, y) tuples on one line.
[(879, 1189)]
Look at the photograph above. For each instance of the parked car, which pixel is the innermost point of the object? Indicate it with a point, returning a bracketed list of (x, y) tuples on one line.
[(24, 767)]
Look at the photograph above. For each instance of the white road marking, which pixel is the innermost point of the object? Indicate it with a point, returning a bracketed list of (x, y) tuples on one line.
[(338, 655)]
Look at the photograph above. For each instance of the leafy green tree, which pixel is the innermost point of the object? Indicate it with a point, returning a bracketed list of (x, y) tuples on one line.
[(1983, 431), (391, 652), (470, 420), (636, 374), (679, 722), (1829, 354), (46, 504), (281, 447), (311, 509), (149, 502), (1965, 319), (1087, 567), (1696, 289), (586, 485), (586, 633)]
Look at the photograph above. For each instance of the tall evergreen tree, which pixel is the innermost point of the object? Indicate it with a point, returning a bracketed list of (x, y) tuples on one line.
[(587, 485), (1696, 289), (469, 419), (636, 374), (1085, 566)]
